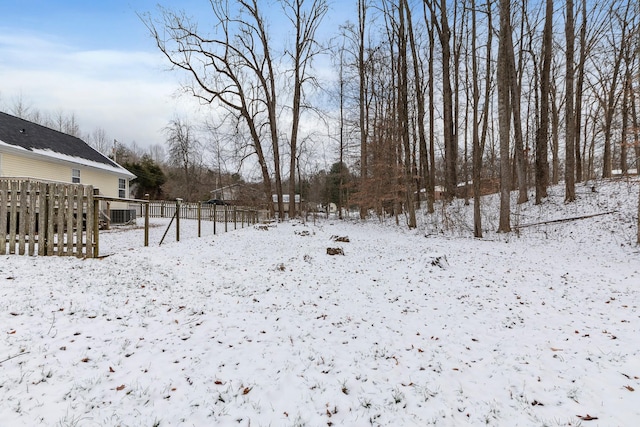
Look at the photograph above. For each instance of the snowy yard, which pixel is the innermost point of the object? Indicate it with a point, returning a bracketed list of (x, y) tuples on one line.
[(263, 328)]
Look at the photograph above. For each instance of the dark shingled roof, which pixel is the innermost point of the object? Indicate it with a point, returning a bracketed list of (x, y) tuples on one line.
[(22, 133)]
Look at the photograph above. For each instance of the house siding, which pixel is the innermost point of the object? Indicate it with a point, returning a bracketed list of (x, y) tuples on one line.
[(34, 168), (23, 166)]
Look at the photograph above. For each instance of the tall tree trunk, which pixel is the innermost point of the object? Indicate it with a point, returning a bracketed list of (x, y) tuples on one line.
[(420, 107), (362, 73), (341, 96), (555, 138), (294, 142), (403, 112), (504, 116), (306, 23), (432, 114), (542, 137), (268, 85), (579, 90), (450, 146), (625, 124), (514, 91), (570, 130), (476, 151), (611, 97)]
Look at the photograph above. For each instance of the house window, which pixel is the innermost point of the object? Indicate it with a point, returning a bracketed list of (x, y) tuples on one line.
[(122, 188), (75, 176)]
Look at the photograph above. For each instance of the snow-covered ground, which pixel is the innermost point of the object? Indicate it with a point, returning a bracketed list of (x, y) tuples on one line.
[(260, 327)]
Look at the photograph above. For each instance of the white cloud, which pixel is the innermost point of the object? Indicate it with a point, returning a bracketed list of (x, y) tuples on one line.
[(128, 93)]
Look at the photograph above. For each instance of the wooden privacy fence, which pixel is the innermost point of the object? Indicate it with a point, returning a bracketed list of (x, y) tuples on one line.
[(47, 218)]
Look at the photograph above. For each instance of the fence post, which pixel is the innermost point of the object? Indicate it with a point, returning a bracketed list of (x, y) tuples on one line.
[(178, 200), (146, 220), (226, 218), (235, 218), (13, 216), (215, 220), (199, 214), (96, 224)]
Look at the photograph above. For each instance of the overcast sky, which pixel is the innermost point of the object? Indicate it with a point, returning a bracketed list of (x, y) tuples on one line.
[(94, 59), (90, 58)]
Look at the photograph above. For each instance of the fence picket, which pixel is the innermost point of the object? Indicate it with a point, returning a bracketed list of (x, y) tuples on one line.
[(13, 200), (42, 217), (49, 216), (33, 215)]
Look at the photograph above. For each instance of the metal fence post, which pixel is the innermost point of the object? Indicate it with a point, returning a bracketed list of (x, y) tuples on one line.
[(199, 214), (215, 219), (178, 201), (146, 221), (96, 224)]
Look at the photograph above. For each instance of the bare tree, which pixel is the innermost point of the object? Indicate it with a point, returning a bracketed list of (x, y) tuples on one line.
[(450, 143), (478, 134), (157, 153), (232, 69), (432, 109), (99, 140), (514, 104), (340, 62), (20, 108), (418, 82), (184, 152), (403, 109), (306, 23), (363, 8), (570, 130), (579, 89), (610, 95), (542, 137), (504, 114)]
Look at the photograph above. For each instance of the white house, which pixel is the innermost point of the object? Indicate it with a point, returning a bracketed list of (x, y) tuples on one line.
[(29, 150)]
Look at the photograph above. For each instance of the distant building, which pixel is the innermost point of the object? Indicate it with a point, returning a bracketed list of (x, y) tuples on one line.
[(285, 201), (239, 194)]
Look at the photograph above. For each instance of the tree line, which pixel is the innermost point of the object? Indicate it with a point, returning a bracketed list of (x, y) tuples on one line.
[(423, 99), (191, 163), (409, 101)]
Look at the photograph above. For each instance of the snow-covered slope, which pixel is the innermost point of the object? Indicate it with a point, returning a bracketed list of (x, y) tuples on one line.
[(409, 328)]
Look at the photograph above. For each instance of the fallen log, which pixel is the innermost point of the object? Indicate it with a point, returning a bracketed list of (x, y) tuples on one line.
[(555, 221)]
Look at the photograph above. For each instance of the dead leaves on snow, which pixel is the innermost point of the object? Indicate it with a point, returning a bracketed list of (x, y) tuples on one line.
[(335, 251), (586, 417), (629, 377), (338, 251)]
